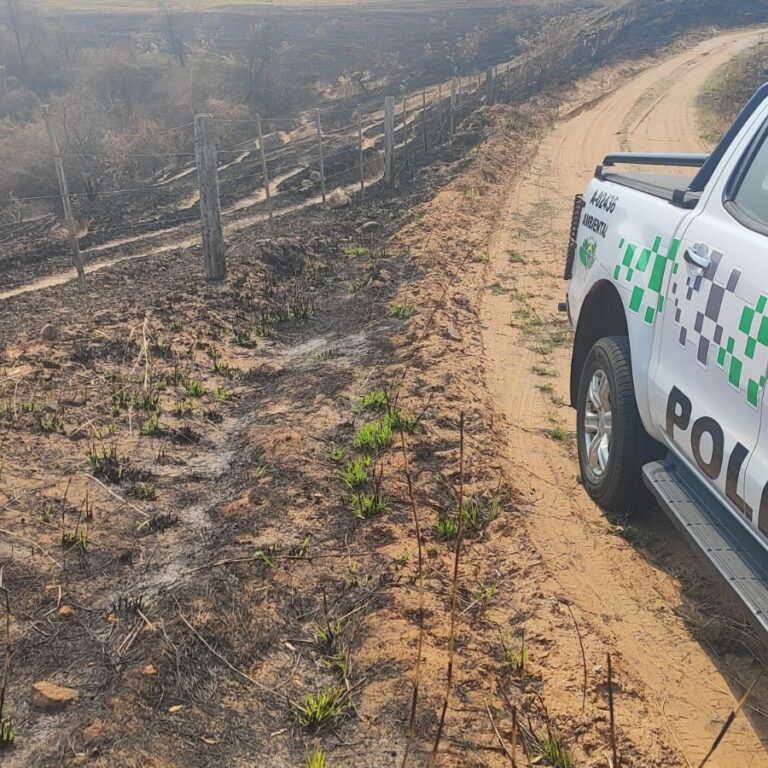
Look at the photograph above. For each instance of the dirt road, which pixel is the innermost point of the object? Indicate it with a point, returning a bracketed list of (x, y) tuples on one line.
[(631, 606)]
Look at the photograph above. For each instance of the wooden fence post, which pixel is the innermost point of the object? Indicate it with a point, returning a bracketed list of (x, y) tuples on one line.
[(424, 121), (389, 138), (452, 127), (361, 157), (440, 114), (405, 129), (264, 167), (489, 83), (77, 258), (322, 157), (214, 259)]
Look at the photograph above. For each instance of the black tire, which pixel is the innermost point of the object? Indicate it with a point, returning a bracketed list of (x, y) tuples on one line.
[(616, 483)]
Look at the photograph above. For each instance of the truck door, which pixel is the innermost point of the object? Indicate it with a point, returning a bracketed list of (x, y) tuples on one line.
[(713, 345), (746, 199)]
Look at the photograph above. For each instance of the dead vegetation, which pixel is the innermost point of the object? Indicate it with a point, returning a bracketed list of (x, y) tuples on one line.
[(117, 83), (729, 89)]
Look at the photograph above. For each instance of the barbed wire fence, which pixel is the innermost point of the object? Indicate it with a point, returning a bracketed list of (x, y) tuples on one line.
[(349, 157), (319, 158)]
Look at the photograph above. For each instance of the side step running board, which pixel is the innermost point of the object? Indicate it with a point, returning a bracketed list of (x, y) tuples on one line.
[(737, 556)]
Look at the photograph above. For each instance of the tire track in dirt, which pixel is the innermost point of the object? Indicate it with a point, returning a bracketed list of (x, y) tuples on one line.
[(630, 604)]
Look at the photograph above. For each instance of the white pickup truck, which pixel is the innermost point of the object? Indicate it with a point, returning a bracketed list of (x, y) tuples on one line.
[(668, 295)]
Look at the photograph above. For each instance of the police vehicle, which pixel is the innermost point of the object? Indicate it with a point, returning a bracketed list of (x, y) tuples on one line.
[(668, 295)]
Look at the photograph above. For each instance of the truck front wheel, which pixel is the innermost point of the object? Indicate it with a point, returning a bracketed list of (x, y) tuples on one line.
[(612, 442)]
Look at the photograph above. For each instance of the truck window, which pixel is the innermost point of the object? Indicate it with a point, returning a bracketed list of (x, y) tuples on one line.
[(750, 198)]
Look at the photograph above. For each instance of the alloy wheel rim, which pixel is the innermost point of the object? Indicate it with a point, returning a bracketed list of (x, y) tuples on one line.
[(598, 426)]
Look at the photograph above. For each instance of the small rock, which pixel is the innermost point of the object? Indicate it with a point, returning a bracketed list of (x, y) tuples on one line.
[(51, 697), (150, 669), (49, 333), (339, 199), (306, 185), (315, 176), (66, 611), (369, 226), (452, 333), (461, 300)]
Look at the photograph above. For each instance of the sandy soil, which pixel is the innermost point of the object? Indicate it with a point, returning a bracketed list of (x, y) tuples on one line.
[(629, 604)]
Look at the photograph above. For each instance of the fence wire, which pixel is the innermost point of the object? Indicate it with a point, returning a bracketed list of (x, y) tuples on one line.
[(421, 118)]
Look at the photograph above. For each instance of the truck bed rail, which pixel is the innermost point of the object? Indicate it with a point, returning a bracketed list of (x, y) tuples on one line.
[(674, 159), (678, 194)]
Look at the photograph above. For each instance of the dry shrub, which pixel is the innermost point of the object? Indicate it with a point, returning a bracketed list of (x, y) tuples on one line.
[(139, 154), (233, 127), (729, 88), (25, 160), (17, 102)]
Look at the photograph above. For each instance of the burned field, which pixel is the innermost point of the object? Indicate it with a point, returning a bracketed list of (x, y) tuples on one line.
[(209, 528), (230, 513), (136, 191)]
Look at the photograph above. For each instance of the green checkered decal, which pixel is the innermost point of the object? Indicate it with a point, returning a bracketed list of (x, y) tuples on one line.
[(643, 268), (701, 305), (720, 324), (737, 354)]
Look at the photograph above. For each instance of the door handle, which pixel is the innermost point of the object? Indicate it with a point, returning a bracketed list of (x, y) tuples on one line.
[(698, 255)]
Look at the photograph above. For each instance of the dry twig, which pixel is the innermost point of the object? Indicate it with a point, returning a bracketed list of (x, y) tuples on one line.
[(616, 761), (729, 720), (7, 665), (417, 671), (583, 658), (242, 674), (498, 736), (454, 597)]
